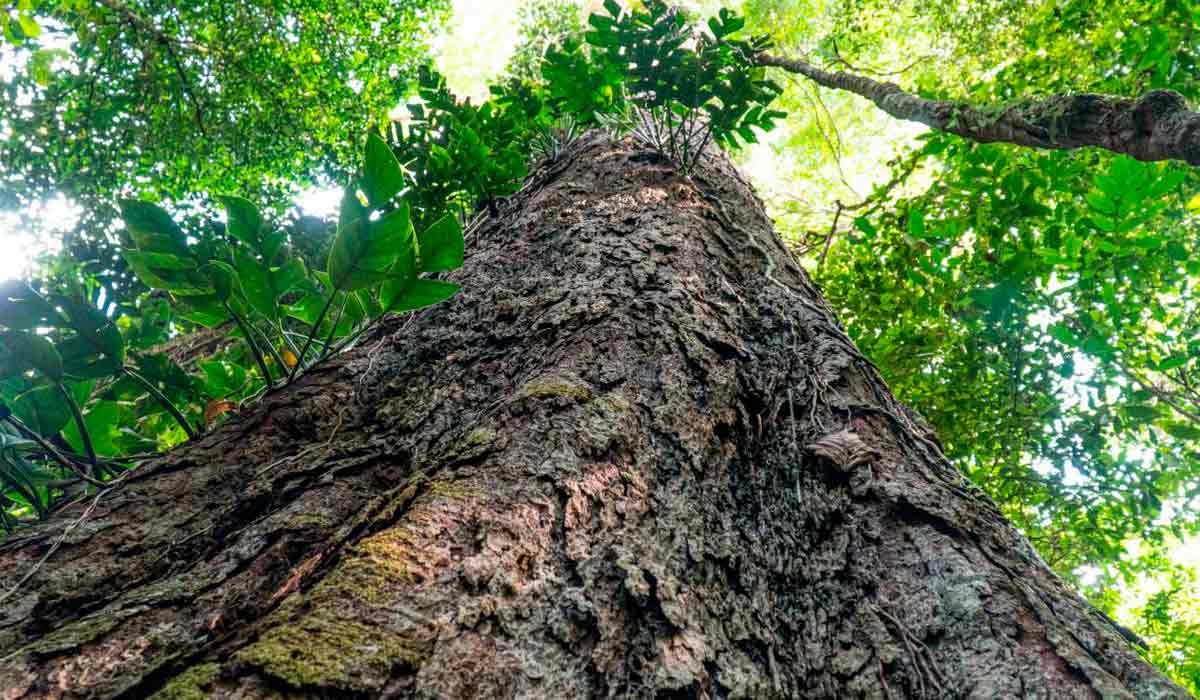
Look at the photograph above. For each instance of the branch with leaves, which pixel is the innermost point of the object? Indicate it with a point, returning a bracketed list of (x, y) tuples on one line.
[(679, 99), (1156, 126), (169, 44), (54, 348)]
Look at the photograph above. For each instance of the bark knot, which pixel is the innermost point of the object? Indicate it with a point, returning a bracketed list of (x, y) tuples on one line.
[(844, 448), (1156, 106)]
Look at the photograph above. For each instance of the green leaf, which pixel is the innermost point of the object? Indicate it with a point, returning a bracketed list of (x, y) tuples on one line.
[(442, 245), (29, 25), (1064, 335), (1101, 203), (306, 308), (289, 277), (166, 271), (244, 222), (865, 226), (1104, 223), (21, 308), (80, 360), (1170, 181), (95, 329), (916, 224), (727, 24), (364, 252), (420, 293), (1172, 362), (43, 409), (263, 285), (1182, 431), (1095, 345), (256, 283), (163, 372), (101, 420), (31, 351), (152, 229), (224, 379), (206, 310), (382, 175), (1141, 412), (368, 302), (400, 277), (223, 277)]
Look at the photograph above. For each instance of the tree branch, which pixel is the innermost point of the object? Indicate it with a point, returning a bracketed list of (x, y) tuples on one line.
[(1156, 126)]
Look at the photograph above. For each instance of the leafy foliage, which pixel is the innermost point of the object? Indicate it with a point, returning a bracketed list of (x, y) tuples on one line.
[(1039, 308), (678, 99), (88, 390), (180, 101), (545, 25), (461, 156), (66, 376)]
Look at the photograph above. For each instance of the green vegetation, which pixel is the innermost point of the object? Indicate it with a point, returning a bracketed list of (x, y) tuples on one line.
[(1039, 308)]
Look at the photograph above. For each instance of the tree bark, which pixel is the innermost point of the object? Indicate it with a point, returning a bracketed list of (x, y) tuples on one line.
[(1156, 126), (636, 457)]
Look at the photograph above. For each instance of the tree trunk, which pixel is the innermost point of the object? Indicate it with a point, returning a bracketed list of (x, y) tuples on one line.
[(637, 457)]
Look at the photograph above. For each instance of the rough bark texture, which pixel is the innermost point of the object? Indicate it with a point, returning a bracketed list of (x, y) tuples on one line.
[(1157, 126), (635, 458)]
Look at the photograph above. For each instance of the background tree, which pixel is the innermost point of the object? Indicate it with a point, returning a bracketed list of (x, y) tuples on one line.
[(183, 102)]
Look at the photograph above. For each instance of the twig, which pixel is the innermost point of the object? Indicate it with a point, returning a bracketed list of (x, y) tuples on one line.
[(837, 215), (67, 464)]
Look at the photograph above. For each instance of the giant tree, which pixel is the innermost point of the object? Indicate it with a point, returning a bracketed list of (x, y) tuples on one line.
[(636, 456)]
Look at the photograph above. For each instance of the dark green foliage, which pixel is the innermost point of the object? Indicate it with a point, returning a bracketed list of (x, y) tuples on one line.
[(1038, 308), (169, 100), (401, 218), (1050, 346), (545, 25), (65, 368), (1029, 279), (460, 156), (678, 98)]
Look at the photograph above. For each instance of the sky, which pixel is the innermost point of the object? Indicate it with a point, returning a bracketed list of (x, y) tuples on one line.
[(476, 47)]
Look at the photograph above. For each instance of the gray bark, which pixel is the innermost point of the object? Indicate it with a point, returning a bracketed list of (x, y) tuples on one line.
[(1156, 126), (637, 457)]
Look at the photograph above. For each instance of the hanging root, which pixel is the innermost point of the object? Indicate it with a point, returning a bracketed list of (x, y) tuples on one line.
[(922, 658)]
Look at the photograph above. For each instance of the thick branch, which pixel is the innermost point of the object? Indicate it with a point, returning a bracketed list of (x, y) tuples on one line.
[(1157, 126)]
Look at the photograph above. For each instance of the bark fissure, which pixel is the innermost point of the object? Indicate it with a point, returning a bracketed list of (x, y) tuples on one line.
[(622, 463)]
